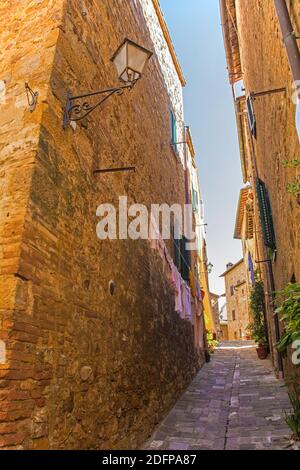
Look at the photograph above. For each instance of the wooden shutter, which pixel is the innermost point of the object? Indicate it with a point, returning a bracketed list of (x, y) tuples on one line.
[(266, 215), (186, 259), (251, 116)]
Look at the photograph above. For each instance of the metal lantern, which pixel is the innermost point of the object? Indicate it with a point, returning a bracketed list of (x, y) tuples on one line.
[(130, 60)]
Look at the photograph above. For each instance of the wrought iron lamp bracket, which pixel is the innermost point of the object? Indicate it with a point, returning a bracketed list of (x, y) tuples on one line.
[(32, 97), (79, 107)]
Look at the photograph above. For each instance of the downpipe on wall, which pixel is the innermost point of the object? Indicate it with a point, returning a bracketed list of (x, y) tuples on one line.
[(289, 37)]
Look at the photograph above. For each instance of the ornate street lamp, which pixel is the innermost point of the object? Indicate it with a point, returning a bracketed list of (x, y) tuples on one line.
[(130, 60)]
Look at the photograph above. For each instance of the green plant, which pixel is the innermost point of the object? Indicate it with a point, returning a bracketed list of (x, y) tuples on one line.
[(257, 328), (289, 312), (292, 418), (292, 163), (211, 342), (294, 187)]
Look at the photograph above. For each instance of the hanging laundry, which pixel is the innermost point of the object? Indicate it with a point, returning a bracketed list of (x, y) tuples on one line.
[(153, 234), (198, 291), (251, 268), (178, 292), (193, 283), (186, 301)]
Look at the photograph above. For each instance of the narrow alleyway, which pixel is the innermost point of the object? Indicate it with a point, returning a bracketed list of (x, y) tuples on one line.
[(235, 402)]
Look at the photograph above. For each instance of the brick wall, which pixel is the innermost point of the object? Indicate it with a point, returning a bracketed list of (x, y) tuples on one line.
[(84, 368)]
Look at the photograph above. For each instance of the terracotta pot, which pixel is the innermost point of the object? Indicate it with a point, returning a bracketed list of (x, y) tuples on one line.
[(262, 352)]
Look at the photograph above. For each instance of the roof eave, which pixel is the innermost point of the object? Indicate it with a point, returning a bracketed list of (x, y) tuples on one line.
[(168, 39)]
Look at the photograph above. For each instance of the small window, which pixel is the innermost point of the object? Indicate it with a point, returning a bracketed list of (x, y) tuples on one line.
[(231, 291), (195, 200), (174, 132), (239, 89), (251, 116), (233, 315)]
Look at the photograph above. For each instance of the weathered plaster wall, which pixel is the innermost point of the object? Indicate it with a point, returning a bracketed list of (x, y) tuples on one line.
[(85, 369)]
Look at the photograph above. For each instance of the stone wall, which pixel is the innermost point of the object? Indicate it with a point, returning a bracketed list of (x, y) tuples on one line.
[(84, 368), (265, 66)]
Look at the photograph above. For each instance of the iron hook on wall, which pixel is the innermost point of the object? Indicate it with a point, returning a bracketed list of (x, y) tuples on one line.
[(32, 97)]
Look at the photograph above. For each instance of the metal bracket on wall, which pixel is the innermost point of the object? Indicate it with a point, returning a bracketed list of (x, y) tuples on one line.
[(32, 97), (114, 170), (258, 94), (263, 261), (79, 107)]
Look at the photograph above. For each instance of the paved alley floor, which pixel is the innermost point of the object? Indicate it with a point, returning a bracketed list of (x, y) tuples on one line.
[(235, 402)]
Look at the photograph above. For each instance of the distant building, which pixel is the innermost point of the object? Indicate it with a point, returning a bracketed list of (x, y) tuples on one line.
[(214, 298), (223, 323), (237, 300)]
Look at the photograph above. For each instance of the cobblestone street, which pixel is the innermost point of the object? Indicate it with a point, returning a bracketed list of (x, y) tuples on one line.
[(235, 402)]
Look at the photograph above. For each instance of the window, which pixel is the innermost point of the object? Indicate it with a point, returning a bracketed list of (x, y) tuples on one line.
[(186, 259), (231, 291), (233, 315), (195, 200), (251, 116), (239, 89), (182, 256), (174, 132)]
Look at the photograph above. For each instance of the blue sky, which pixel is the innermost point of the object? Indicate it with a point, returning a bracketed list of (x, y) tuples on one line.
[(195, 27)]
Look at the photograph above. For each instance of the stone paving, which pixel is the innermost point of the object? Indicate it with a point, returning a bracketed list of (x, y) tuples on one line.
[(234, 403)]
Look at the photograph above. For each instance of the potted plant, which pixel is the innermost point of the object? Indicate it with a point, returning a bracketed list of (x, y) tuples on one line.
[(289, 312), (257, 328)]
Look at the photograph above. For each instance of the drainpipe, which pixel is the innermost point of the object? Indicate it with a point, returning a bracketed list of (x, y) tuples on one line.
[(289, 38)]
